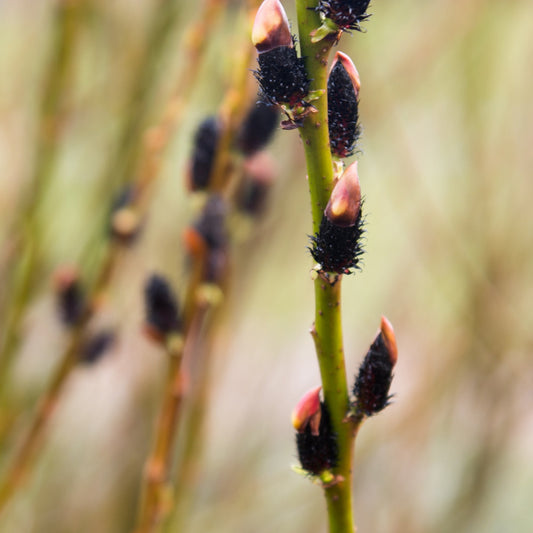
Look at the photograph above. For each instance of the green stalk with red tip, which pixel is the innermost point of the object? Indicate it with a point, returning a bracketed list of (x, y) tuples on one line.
[(326, 430)]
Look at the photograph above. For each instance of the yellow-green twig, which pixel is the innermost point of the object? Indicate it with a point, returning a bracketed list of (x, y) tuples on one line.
[(327, 329)]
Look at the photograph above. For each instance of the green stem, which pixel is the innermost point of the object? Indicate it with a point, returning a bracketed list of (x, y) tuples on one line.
[(327, 330), (22, 276), (314, 133)]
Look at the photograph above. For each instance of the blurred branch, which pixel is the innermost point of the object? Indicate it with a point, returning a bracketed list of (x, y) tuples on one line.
[(139, 204), (25, 255), (27, 453)]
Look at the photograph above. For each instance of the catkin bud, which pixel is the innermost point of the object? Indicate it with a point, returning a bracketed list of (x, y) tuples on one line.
[(70, 296), (344, 203), (337, 245), (124, 220), (257, 128), (318, 452), (307, 412), (258, 176), (347, 14), (206, 241), (271, 27), (161, 306), (343, 112), (204, 153), (371, 388), (96, 346), (282, 76)]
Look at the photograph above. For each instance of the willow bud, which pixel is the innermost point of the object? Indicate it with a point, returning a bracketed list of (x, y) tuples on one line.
[(271, 27)]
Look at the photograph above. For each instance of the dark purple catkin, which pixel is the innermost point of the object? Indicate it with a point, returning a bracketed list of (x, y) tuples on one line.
[(161, 306), (96, 346), (347, 14), (320, 452), (338, 249), (70, 295), (211, 224), (253, 196), (257, 128), (343, 113), (204, 152), (372, 384), (282, 76)]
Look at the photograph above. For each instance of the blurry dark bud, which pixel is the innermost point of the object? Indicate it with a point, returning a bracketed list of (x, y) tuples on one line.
[(371, 388), (337, 245), (347, 14), (96, 346), (318, 452), (124, 220), (125, 223), (70, 296), (282, 76), (343, 112), (258, 178), (216, 266), (307, 412), (204, 153), (206, 241), (161, 307), (257, 128), (271, 27), (212, 223)]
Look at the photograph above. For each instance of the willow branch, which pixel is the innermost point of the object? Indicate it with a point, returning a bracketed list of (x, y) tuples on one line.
[(327, 329)]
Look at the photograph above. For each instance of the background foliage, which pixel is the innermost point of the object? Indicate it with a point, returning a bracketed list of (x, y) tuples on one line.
[(446, 156)]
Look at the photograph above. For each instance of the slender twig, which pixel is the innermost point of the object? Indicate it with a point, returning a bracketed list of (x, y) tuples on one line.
[(197, 310), (27, 453), (156, 501), (21, 278), (28, 450), (327, 329)]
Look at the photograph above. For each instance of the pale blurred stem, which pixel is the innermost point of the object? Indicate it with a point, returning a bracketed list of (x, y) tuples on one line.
[(147, 165), (190, 460), (159, 462), (121, 167), (327, 329), (155, 502), (193, 49), (21, 278), (29, 449)]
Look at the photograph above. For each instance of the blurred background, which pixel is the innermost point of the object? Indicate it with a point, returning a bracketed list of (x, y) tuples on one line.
[(445, 157)]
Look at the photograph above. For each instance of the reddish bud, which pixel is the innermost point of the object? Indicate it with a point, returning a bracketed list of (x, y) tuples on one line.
[(307, 412), (372, 384), (350, 69), (271, 27), (387, 333), (344, 204)]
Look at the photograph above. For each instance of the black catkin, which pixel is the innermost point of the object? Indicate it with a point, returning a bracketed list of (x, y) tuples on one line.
[(318, 452), (96, 347), (372, 384), (252, 197), (338, 249), (204, 152), (282, 76), (161, 305), (211, 224), (71, 303), (343, 112), (347, 14), (212, 227), (257, 128)]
